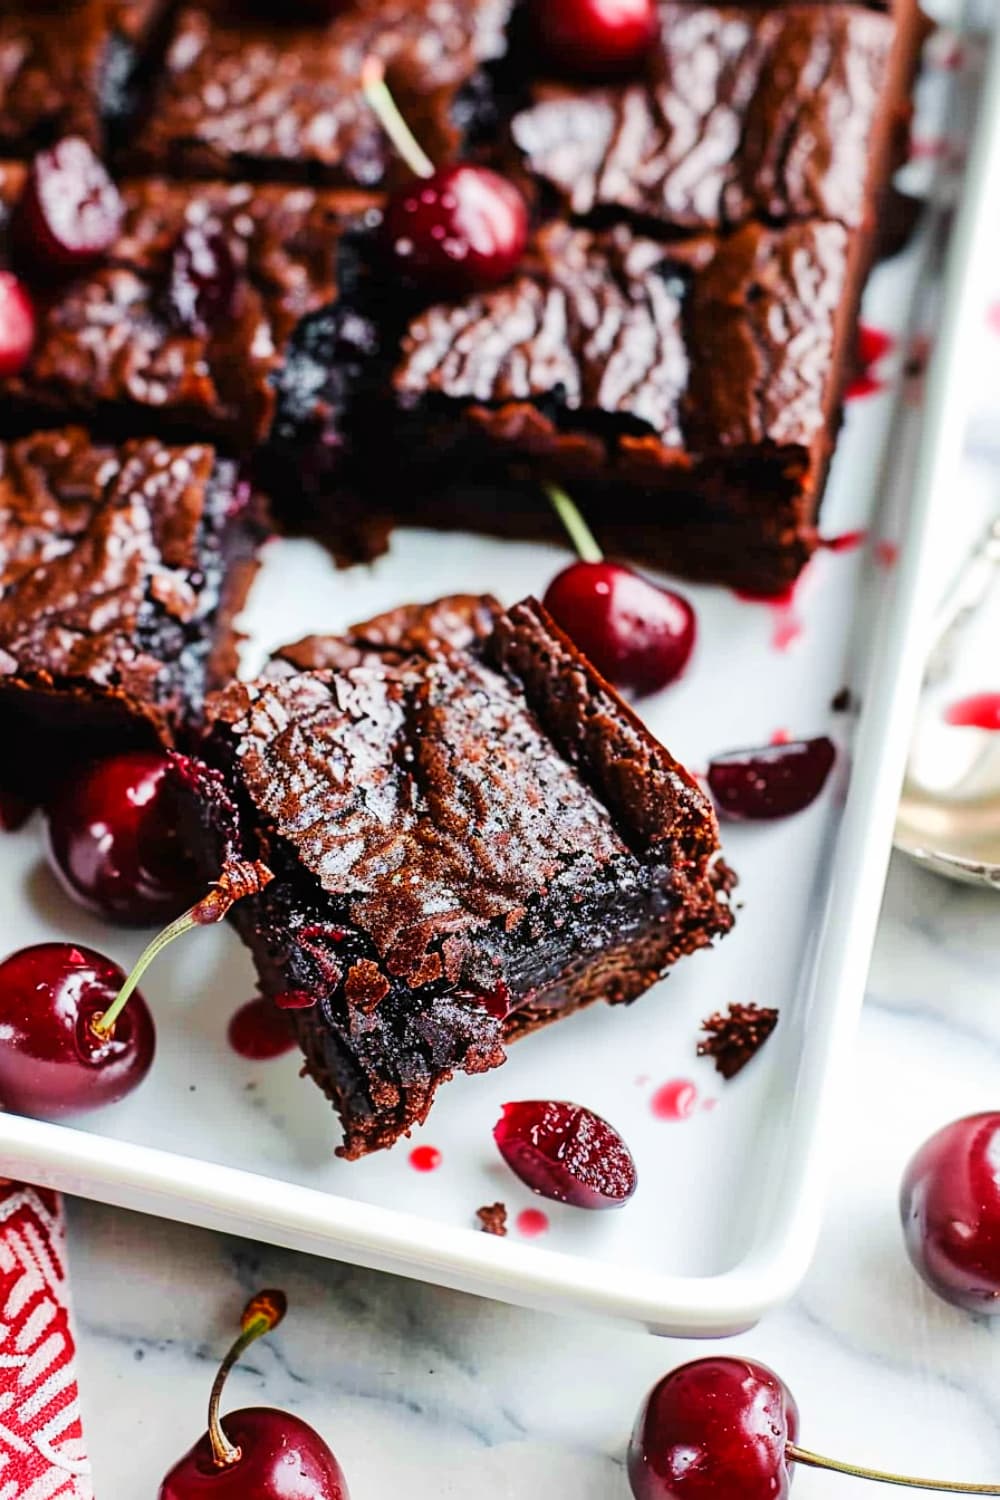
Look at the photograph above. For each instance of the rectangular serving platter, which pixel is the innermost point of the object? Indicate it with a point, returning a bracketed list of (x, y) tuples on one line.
[(725, 1218)]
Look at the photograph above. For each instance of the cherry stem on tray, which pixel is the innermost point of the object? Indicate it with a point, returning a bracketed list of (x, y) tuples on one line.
[(856, 1471), (262, 1314), (579, 532), (239, 878), (379, 97)]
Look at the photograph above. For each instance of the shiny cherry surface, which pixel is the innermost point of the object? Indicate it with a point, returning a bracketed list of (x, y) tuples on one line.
[(282, 1458), (17, 324), (773, 781), (638, 635), (112, 845), (567, 1153), (714, 1429), (70, 212), (950, 1208), (595, 38), (51, 1063), (463, 229)]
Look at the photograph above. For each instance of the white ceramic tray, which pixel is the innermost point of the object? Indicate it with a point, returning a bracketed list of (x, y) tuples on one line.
[(723, 1224)]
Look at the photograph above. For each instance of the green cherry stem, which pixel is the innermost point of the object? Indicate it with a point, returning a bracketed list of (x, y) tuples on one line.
[(855, 1471), (261, 1314), (379, 97), (579, 532), (239, 878)]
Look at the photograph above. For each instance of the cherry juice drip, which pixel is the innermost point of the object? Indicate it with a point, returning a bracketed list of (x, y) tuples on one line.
[(675, 1100), (846, 541), (980, 711), (259, 1031), (425, 1158), (787, 624), (531, 1222)]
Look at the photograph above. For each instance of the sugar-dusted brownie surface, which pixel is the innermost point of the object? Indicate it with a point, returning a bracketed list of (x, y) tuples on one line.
[(120, 570), (265, 344), (689, 390), (744, 112), (469, 841), (279, 96), (66, 67)]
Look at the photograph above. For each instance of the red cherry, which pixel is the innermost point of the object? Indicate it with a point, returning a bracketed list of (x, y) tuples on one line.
[(637, 635), (52, 1063), (17, 324), (950, 1207), (463, 229), (70, 213), (772, 782), (595, 38), (113, 846), (203, 280), (281, 1458), (567, 1153), (260, 1453), (712, 1430)]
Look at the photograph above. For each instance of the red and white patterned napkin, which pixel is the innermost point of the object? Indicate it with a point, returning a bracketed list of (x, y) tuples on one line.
[(42, 1452)]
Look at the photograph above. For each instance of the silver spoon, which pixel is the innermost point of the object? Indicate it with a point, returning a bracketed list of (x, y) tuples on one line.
[(949, 811)]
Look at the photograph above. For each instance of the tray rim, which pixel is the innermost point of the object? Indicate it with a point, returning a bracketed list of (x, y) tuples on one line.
[(170, 1185)]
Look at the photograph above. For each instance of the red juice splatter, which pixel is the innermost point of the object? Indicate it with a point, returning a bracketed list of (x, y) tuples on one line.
[(847, 541), (295, 1000), (886, 553), (259, 1031), (675, 1100), (873, 344), (993, 318), (531, 1222), (709, 1104), (425, 1158), (865, 384), (980, 711), (928, 148), (786, 620), (781, 737)]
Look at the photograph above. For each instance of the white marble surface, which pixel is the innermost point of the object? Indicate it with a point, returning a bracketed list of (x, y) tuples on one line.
[(430, 1395)]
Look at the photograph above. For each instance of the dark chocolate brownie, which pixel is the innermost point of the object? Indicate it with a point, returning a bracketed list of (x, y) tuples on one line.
[(279, 97), (686, 392), (468, 843), (67, 66), (257, 347), (121, 569), (458, 623), (744, 113)]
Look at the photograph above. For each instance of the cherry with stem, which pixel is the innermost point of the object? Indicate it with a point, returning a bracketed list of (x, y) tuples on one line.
[(726, 1426), (639, 636), (457, 228), (259, 1450)]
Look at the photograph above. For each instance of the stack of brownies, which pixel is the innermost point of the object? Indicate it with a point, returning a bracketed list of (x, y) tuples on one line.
[(471, 834)]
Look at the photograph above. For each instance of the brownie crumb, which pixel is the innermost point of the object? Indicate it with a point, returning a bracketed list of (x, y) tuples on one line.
[(724, 878), (493, 1218), (842, 702), (734, 1038)]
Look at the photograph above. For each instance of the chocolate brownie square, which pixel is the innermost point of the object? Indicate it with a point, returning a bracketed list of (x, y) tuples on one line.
[(744, 112), (469, 841), (218, 312), (121, 568), (244, 94), (67, 67), (686, 393)]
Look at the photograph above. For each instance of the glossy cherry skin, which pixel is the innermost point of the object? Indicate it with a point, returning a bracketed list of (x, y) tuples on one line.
[(17, 324), (714, 1429), (113, 846), (566, 1153), (463, 230), (70, 212), (282, 1458), (595, 38), (950, 1206), (773, 781), (637, 635), (51, 1063)]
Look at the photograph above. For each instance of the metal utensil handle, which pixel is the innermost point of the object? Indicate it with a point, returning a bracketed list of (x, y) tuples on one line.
[(968, 592)]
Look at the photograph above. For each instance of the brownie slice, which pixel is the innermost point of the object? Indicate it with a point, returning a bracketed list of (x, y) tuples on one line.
[(67, 68), (458, 623), (121, 569), (687, 393), (468, 842), (744, 112), (218, 313), (279, 96)]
